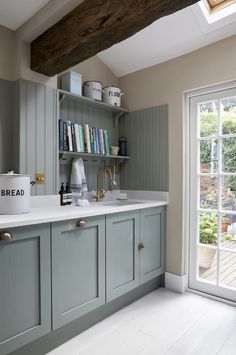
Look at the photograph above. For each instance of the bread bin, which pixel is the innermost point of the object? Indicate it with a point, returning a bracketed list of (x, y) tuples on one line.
[(14, 193)]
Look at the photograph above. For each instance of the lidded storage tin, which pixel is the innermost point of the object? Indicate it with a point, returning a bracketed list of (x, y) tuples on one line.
[(14, 193)]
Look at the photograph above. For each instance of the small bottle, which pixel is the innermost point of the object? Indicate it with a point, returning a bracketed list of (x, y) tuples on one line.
[(62, 193), (68, 194)]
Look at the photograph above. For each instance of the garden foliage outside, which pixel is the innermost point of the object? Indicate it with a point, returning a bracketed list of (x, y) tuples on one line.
[(209, 163)]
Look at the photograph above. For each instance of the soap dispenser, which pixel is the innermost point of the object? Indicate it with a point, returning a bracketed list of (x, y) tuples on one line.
[(63, 199), (68, 194)]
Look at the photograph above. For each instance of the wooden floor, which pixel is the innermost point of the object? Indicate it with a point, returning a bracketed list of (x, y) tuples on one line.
[(162, 322), (227, 267)]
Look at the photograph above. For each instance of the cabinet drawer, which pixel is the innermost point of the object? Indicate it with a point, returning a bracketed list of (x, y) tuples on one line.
[(25, 286), (78, 268)]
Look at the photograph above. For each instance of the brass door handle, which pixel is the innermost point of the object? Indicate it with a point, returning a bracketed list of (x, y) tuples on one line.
[(140, 246), (81, 223), (5, 236)]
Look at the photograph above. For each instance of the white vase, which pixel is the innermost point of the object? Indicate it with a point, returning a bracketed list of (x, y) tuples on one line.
[(206, 257)]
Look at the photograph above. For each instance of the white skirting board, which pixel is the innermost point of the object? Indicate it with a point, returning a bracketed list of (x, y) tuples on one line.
[(176, 282)]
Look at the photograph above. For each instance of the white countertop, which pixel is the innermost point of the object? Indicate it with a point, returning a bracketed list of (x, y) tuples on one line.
[(48, 210)]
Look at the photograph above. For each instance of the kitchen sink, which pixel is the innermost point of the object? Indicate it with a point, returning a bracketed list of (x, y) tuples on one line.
[(118, 203)]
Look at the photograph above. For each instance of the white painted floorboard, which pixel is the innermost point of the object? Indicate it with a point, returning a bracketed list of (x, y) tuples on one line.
[(163, 322)]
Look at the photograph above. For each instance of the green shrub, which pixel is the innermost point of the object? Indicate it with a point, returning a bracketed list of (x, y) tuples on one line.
[(208, 228)]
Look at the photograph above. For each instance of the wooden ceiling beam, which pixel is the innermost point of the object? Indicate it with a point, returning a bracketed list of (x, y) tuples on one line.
[(93, 26)]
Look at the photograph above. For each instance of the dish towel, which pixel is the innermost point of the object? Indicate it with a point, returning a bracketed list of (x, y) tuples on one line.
[(78, 183)]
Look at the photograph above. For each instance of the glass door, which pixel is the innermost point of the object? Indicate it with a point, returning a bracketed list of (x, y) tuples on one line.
[(212, 256)]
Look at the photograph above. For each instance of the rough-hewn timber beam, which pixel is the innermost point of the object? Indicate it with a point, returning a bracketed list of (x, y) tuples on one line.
[(93, 26)]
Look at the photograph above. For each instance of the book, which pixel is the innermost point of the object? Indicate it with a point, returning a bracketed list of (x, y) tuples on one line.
[(102, 146), (95, 140), (69, 136), (73, 137), (91, 140), (98, 141), (65, 137), (61, 134), (81, 138), (77, 138), (106, 142), (87, 144)]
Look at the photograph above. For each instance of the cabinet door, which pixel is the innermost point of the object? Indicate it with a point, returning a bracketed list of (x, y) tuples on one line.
[(25, 286), (122, 259), (152, 242), (78, 268)]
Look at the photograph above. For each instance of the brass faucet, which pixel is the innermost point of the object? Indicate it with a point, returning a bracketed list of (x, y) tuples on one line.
[(101, 192)]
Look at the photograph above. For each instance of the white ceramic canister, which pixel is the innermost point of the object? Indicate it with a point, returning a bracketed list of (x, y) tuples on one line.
[(93, 90), (14, 193), (112, 95)]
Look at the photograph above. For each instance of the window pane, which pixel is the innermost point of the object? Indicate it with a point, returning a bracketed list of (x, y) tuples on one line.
[(228, 115), (228, 231), (228, 269), (229, 155), (209, 156), (208, 192), (208, 118), (208, 228), (228, 193), (207, 264)]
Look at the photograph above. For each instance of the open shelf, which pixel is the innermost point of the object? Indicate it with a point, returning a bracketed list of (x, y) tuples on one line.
[(65, 156), (86, 100)]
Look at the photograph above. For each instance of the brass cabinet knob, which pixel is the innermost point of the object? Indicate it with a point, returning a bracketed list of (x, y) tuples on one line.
[(6, 236), (140, 246), (81, 223)]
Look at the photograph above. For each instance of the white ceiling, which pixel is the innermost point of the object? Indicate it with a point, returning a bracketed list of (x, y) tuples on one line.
[(167, 38), (13, 13)]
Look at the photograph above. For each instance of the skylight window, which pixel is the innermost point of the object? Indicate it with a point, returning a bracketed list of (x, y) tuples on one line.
[(217, 5), (218, 11)]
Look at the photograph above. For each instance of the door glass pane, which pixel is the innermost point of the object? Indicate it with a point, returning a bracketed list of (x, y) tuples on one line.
[(209, 156), (207, 264), (208, 113), (228, 231), (208, 192), (229, 155), (228, 269), (228, 115), (208, 228), (228, 193)]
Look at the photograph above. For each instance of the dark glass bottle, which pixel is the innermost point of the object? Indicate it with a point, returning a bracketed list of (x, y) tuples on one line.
[(123, 146), (68, 194), (62, 195)]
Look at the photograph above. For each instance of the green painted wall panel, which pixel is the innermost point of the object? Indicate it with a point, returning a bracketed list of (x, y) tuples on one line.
[(147, 134)]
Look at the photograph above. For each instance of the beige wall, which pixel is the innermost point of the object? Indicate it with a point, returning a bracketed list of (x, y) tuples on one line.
[(166, 83), (23, 70), (15, 63), (95, 69), (7, 54)]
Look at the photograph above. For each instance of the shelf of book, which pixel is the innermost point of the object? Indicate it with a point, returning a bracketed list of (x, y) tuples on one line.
[(66, 156)]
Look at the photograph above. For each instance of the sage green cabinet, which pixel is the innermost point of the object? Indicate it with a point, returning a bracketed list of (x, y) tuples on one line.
[(25, 286), (152, 242), (122, 255), (135, 249), (78, 268)]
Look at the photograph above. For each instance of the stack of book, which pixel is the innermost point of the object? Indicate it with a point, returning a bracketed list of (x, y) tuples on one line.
[(75, 137)]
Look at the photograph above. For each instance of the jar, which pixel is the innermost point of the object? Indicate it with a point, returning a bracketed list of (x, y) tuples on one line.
[(123, 146)]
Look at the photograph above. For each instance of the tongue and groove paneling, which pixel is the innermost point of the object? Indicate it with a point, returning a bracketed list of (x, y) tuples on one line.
[(147, 135)]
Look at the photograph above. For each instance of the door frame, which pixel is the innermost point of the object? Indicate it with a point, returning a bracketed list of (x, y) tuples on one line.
[(187, 96)]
